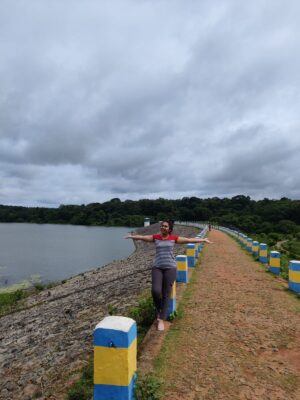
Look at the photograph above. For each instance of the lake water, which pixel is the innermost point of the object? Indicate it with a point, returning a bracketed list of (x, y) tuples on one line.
[(32, 252)]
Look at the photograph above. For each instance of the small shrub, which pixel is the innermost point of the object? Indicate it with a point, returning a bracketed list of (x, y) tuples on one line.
[(144, 312), (7, 300), (297, 235), (173, 315), (39, 286), (51, 285), (11, 298), (112, 310), (284, 263), (148, 387), (79, 391), (144, 315), (274, 236), (83, 389)]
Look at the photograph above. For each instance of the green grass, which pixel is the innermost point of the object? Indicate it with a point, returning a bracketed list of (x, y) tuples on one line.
[(39, 286), (9, 300), (83, 388), (148, 387), (144, 315), (12, 298), (161, 363)]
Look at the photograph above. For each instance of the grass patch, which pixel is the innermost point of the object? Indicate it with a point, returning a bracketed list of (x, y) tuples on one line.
[(13, 300), (112, 310), (83, 388), (148, 387), (10, 300), (39, 286), (290, 382), (161, 363), (144, 315)]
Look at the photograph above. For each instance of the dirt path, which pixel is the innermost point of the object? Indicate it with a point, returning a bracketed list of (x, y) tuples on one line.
[(239, 337)]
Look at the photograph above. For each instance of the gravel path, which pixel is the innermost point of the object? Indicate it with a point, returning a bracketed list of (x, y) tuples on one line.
[(239, 337)]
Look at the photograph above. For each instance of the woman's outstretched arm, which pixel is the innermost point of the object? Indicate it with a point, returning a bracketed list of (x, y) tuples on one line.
[(144, 238), (184, 240)]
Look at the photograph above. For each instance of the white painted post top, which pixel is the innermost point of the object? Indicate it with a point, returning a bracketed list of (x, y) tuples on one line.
[(116, 323)]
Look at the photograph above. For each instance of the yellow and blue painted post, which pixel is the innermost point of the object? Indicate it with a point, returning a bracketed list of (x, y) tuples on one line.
[(263, 253), (255, 246), (172, 300), (249, 244), (243, 240), (199, 246), (274, 262), (240, 237), (294, 276), (115, 344), (182, 274), (190, 252), (196, 249)]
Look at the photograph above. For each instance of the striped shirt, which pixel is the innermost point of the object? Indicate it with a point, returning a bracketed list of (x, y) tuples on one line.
[(164, 257)]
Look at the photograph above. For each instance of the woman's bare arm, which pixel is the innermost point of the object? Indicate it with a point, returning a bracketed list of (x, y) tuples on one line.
[(144, 238), (184, 240)]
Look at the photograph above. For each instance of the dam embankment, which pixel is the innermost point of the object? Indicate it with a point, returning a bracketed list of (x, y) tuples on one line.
[(51, 337)]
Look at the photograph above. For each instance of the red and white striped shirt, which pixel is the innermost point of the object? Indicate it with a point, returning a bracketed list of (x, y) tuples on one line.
[(164, 257)]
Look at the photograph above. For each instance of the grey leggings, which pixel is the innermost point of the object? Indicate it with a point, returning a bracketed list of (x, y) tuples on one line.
[(162, 281)]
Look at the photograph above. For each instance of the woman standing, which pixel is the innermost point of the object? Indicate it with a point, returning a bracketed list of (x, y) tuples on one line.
[(164, 267)]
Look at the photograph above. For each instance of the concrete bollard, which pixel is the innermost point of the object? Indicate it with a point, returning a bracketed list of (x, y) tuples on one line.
[(294, 276), (115, 354), (172, 300), (255, 246), (190, 252), (196, 250), (182, 274), (274, 262), (244, 240), (263, 253), (249, 244)]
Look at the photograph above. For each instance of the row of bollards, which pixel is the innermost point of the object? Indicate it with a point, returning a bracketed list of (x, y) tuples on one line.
[(115, 340), (273, 262)]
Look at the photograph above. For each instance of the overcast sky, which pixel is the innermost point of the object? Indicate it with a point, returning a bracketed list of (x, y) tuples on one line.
[(148, 98)]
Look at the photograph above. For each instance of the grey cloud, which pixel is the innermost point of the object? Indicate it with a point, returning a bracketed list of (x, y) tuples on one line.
[(136, 99)]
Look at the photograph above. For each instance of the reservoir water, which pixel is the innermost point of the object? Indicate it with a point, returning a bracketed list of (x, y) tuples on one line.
[(46, 253)]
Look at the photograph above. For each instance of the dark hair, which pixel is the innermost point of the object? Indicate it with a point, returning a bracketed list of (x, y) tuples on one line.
[(170, 222)]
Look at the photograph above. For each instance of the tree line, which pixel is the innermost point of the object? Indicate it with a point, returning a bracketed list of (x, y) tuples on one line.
[(239, 212)]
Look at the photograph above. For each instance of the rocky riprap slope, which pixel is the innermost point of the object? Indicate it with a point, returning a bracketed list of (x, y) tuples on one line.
[(50, 338)]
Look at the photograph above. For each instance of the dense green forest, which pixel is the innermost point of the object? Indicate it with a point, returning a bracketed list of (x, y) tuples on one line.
[(275, 222), (280, 217)]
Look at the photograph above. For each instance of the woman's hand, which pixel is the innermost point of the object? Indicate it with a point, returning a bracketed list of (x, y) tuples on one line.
[(144, 238)]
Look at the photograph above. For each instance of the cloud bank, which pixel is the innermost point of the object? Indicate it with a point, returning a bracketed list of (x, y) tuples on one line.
[(142, 99)]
